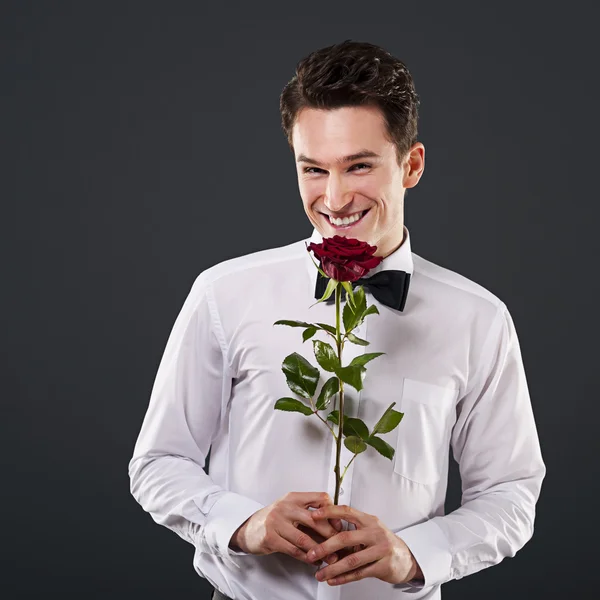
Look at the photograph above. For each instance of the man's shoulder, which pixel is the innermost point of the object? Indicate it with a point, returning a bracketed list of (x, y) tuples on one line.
[(455, 284), (259, 261)]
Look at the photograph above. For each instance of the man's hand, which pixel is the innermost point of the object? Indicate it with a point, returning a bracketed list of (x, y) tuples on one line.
[(286, 526), (383, 555)]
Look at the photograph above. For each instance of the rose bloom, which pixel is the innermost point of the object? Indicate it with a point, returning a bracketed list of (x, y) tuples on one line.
[(345, 259)]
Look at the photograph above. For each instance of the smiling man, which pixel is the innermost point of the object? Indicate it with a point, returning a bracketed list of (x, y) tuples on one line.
[(349, 192), (262, 520)]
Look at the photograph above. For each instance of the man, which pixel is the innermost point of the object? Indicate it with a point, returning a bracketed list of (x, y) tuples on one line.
[(452, 364)]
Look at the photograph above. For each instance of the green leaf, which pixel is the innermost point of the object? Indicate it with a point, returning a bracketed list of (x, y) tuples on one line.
[(326, 327), (350, 317), (293, 323), (347, 316), (363, 359), (302, 378), (356, 340), (349, 293), (352, 426), (360, 300), (389, 420), (308, 333), (334, 416), (326, 356), (355, 444), (356, 427), (329, 389), (353, 311), (329, 290), (381, 446), (372, 310), (294, 405), (352, 375)]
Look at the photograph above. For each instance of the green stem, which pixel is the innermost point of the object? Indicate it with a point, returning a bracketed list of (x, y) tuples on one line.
[(346, 468), (326, 423), (338, 479)]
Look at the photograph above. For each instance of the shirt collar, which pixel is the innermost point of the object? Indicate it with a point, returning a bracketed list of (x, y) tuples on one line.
[(401, 259)]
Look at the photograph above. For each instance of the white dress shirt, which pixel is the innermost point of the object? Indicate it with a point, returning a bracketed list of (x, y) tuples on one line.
[(453, 366)]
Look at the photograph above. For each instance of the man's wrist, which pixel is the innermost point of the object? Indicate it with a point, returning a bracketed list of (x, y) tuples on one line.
[(415, 573), (234, 541)]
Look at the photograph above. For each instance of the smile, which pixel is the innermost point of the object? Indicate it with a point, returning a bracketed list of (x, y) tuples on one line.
[(346, 222)]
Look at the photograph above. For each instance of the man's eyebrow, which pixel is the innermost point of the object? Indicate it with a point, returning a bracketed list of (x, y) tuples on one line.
[(343, 160)]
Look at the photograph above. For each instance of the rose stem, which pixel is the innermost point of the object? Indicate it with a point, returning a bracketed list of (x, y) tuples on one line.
[(338, 295)]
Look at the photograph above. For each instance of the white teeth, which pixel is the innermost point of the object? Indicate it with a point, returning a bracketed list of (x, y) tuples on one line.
[(346, 220)]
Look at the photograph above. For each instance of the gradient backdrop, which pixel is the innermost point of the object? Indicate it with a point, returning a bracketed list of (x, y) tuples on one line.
[(141, 144)]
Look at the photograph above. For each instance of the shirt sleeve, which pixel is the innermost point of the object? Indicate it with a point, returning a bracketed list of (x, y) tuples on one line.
[(188, 399), (496, 445)]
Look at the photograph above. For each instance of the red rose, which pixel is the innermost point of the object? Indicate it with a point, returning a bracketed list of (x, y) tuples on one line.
[(345, 259)]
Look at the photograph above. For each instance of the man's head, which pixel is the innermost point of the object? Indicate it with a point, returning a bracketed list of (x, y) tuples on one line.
[(344, 101)]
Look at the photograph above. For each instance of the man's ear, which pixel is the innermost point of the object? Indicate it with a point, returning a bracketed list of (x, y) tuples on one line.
[(414, 165)]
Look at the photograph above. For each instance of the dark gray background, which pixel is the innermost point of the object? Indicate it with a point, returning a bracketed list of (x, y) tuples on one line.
[(141, 144)]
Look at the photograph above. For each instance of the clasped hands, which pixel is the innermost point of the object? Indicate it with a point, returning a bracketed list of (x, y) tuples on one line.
[(375, 551), (288, 526)]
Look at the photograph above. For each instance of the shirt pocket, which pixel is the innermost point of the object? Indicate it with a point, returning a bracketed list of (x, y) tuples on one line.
[(423, 435)]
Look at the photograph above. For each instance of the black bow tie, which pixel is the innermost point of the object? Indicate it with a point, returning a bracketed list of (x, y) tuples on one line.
[(389, 287)]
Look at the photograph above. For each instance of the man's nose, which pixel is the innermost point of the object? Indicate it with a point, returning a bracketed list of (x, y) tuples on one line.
[(336, 197)]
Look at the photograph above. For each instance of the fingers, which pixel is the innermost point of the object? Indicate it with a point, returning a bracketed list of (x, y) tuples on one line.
[(309, 499), (337, 524), (342, 511), (318, 538), (296, 543), (322, 526), (349, 564), (316, 500), (345, 552), (345, 539), (291, 542)]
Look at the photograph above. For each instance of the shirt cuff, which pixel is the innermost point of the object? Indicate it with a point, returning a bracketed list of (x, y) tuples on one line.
[(431, 550), (226, 515)]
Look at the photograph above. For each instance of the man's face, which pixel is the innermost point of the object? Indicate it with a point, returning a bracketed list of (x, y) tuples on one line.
[(368, 187)]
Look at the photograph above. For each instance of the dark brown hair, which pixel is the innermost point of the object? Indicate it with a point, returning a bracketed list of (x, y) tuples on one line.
[(354, 74)]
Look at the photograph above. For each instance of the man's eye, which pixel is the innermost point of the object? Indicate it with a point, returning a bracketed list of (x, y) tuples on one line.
[(315, 169)]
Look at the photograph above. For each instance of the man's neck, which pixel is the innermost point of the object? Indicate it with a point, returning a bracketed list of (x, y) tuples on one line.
[(388, 252)]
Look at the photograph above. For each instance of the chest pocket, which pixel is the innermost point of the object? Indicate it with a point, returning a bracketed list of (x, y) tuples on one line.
[(423, 435)]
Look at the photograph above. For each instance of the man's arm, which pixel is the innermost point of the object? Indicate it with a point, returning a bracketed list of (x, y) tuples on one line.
[(188, 399), (496, 445)]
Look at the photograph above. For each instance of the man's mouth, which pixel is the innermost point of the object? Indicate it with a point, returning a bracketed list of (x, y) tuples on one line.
[(346, 222)]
